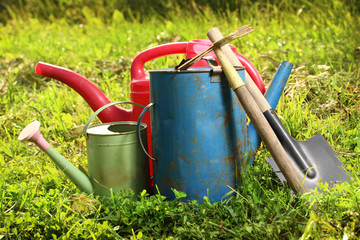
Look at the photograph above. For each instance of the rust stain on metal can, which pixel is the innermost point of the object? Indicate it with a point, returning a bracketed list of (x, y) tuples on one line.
[(228, 118), (170, 182), (183, 158), (172, 165), (239, 144), (230, 160)]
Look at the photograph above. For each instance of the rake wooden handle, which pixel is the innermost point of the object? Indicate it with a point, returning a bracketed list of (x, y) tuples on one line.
[(261, 124), (214, 35)]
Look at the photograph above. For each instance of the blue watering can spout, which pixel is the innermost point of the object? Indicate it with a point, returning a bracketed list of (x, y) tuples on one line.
[(272, 95)]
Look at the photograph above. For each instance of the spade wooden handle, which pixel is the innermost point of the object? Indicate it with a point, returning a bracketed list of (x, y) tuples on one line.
[(261, 124)]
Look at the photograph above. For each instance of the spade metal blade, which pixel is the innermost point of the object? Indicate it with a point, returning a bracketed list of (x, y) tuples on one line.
[(321, 158)]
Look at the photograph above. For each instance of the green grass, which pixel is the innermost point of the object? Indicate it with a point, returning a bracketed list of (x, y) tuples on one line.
[(322, 95)]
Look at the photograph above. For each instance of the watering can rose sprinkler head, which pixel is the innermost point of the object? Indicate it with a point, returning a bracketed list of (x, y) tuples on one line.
[(32, 133)]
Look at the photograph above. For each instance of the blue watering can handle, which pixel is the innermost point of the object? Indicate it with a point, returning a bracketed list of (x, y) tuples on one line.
[(138, 129), (106, 106)]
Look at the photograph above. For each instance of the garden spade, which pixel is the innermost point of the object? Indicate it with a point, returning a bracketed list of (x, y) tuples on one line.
[(259, 121), (313, 159)]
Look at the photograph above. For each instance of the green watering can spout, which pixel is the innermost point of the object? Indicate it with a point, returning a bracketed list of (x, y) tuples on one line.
[(31, 133)]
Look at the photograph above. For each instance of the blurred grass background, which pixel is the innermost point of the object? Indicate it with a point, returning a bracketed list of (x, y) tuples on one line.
[(99, 39), (141, 10)]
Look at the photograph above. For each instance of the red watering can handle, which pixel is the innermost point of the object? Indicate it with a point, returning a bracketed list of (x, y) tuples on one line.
[(137, 67)]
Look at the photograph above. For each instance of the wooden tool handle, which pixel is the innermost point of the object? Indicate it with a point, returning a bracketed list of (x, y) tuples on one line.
[(261, 124), (214, 35)]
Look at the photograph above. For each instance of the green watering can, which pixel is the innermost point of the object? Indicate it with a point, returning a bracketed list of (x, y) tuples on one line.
[(116, 160)]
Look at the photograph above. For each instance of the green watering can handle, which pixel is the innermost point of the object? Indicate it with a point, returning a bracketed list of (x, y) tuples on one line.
[(138, 129), (106, 106)]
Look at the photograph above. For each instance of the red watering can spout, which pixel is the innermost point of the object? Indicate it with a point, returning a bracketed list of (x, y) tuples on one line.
[(91, 93)]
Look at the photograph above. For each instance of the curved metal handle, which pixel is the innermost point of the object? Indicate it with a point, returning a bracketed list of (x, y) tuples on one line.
[(104, 107), (138, 129)]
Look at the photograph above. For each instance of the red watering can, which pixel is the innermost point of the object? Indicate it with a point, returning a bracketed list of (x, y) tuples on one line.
[(139, 81)]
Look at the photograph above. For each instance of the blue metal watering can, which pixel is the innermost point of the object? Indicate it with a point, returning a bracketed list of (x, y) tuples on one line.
[(200, 135)]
